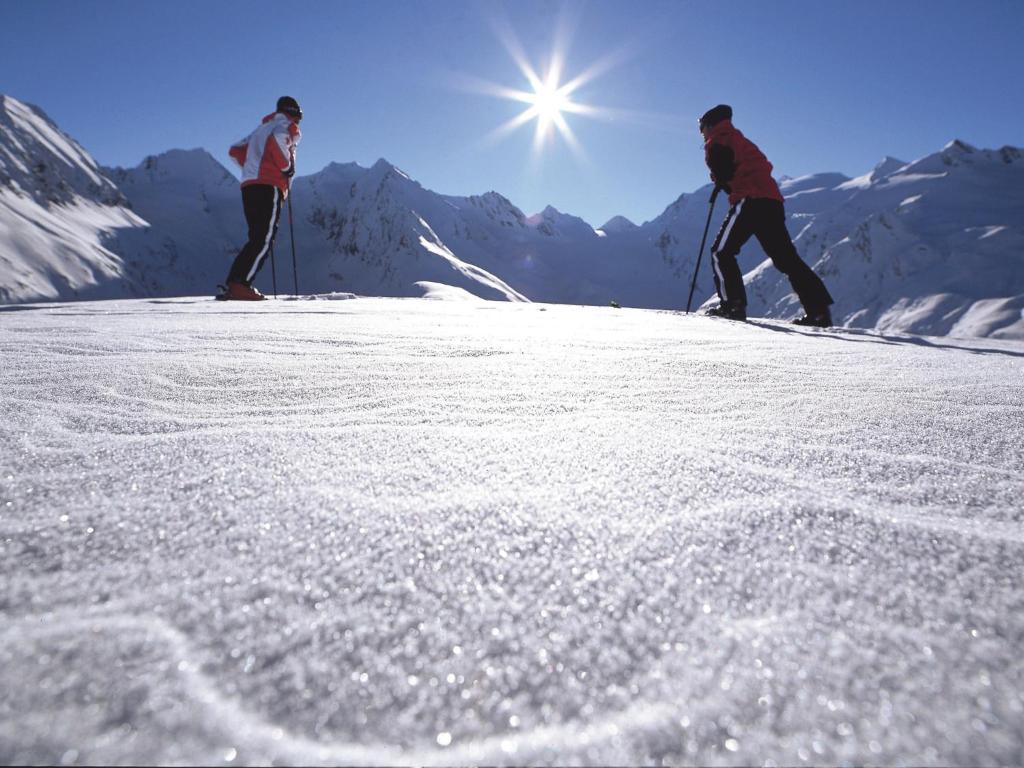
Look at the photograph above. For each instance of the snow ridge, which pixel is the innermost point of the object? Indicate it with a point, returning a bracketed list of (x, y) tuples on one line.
[(59, 215)]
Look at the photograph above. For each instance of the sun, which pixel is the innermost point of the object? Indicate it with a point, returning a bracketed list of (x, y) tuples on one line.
[(552, 101), (548, 99), (549, 102)]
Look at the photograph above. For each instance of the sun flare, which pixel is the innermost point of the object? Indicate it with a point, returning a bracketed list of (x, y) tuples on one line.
[(552, 101), (548, 99)]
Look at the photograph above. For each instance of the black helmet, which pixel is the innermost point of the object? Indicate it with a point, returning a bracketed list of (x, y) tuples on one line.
[(715, 115), (289, 106)]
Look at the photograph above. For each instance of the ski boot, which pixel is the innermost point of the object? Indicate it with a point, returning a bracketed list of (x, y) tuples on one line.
[(239, 292), (729, 310), (822, 319)]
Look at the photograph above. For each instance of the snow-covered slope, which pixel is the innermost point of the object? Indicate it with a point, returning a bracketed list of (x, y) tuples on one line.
[(196, 223), (404, 532), (59, 215), (376, 231), (935, 246)]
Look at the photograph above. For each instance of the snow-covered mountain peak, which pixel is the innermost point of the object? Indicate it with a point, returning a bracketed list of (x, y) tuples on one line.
[(886, 166), (553, 223), (957, 146), (549, 212), (384, 178), (680, 207), (194, 165), (1010, 154), (959, 155), (960, 152), (496, 206), (334, 181), (340, 169), (383, 168), (494, 197), (39, 160), (617, 224)]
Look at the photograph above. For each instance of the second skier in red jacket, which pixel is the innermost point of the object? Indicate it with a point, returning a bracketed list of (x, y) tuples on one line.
[(756, 209)]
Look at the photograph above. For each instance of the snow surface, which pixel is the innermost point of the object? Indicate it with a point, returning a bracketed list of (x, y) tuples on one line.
[(445, 292), (406, 531)]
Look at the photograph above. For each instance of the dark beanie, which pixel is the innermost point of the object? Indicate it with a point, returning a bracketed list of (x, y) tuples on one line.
[(715, 115), (289, 106)]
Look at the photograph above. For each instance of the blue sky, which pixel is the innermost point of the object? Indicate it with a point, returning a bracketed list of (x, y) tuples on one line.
[(820, 86)]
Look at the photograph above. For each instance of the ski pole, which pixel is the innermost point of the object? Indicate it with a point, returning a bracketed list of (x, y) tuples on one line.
[(273, 270), (700, 254), (291, 231)]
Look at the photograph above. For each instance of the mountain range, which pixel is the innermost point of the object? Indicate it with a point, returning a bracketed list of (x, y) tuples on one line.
[(934, 246)]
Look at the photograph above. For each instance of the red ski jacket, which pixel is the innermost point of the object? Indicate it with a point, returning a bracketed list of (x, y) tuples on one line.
[(267, 155), (738, 165)]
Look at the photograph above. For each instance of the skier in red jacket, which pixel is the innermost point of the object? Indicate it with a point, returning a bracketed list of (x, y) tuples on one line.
[(756, 208), (267, 160)]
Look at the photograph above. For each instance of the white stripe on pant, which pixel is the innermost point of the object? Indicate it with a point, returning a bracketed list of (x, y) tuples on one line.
[(734, 214), (270, 235)]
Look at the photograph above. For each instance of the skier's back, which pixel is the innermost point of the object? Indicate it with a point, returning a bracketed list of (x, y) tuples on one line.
[(756, 208)]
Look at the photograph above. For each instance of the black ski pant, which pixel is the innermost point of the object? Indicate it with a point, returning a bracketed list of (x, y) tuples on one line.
[(765, 219), (262, 205)]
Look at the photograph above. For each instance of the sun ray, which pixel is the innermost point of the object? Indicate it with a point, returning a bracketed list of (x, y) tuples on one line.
[(539, 136), (510, 41), (555, 71), (601, 66), (471, 84), (509, 126), (570, 139), (580, 109), (655, 120)]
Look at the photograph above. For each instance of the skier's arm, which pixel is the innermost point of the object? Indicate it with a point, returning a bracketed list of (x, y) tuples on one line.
[(722, 163), (285, 141), (240, 150), (281, 152)]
